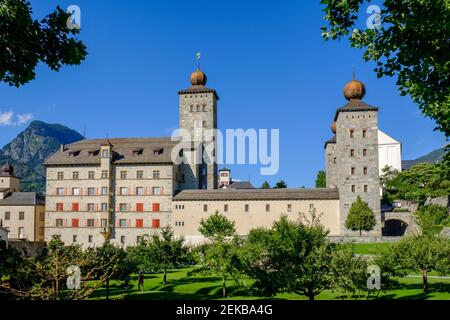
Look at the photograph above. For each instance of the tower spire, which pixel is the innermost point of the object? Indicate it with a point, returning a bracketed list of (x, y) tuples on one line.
[(198, 56), (353, 72)]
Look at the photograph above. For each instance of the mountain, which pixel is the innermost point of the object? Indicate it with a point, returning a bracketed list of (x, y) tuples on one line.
[(28, 151), (432, 157)]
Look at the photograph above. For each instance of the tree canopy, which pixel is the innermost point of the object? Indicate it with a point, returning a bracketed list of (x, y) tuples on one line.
[(25, 42), (321, 180), (217, 225), (411, 43), (360, 217)]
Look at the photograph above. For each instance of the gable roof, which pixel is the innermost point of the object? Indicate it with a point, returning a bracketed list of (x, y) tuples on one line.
[(241, 185), (23, 199), (355, 105), (123, 151), (257, 194), (332, 140), (383, 138)]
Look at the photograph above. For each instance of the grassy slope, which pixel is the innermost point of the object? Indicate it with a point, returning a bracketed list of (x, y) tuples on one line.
[(181, 287)]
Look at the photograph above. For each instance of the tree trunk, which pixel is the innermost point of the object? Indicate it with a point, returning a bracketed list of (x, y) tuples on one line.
[(165, 276), (107, 289), (224, 290), (425, 280), (360, 233)]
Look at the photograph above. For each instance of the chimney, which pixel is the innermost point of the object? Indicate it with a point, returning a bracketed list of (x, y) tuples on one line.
[(62, 148)]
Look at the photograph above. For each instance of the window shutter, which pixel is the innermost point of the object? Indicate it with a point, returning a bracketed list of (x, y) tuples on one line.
[(155, 207)]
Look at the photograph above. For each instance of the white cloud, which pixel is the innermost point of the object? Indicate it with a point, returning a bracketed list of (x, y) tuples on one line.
[(24, 118), (7, 118)]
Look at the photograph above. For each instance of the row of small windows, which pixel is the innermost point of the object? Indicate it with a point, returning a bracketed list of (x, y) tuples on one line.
[(365, 188), (353, 171), (105, 175), (121, 223), (197, 108), (123, 191), (352, 133), (122, 207), (179, 223), (105, 152), (247, 207), (353, 117), (179, 206), (352, 152)]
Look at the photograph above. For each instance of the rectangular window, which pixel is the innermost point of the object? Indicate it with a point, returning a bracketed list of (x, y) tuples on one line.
[(311, 206), (156, 174), (75, 206), (59, 222), (156, 191), (123, 175), (90, 207), (122, 223), (122, 239), (139, 207), (7, 215), (21, 233), (59, 207), (225, 208), (104, 174), (123, 191), (365, 170), (155, 207), (334, 160), (140, 191), (90, 238), (105, 191), (140, 175), (76, 175), (59, 191), (267, 207), (352, 152), (246, 208), (364, 152), (353, 188), (352, 133), (365, 188), (76, 191), (289, 207), (21, 215), (74, 238), (104, 207), (205, 208), (104, 223), (75, 223), (90, 223), (364, 133), (91, 191), (155, 223), (91, 175), (353, 170), (139, 223), (122, 207), (105, 154), (60, 175)]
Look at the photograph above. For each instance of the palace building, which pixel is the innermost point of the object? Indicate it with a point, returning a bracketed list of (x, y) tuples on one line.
[(125, 189)]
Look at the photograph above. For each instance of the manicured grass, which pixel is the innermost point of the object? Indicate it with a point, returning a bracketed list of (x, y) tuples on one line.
[(369, 248), (181, 287)]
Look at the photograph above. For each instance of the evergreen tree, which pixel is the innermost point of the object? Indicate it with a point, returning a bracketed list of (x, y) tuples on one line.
[(360, 217)]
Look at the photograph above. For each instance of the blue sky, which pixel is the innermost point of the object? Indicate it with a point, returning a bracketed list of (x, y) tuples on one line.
[(266, 59)]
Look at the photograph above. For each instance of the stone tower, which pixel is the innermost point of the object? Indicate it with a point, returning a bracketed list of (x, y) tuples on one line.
[(7, 178), (198, 116), (355, 155)]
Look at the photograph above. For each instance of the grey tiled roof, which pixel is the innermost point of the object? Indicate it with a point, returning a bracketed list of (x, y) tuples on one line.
[(355, 105), (258, 194), (198, 89), (23, 199), (332, 140), (123, 151), (241, 185)]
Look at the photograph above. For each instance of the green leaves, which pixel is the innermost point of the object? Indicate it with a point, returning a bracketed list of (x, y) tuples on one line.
[(413, 44), (217, 226), (24, 42), (321, 180), (360, 217)]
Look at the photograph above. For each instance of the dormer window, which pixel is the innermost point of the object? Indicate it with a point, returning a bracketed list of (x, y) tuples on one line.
[(74, 153), (158, 151), (138, 152), (93, 153)]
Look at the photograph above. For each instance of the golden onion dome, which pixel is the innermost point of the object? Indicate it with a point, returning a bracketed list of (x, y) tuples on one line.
[(354, 89), (198, 78)]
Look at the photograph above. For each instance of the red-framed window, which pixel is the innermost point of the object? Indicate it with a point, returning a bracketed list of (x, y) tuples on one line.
[(60, 207), (139, 207), (155, 223), (75, 223), (139, 223), (155, 207), (75, 206)]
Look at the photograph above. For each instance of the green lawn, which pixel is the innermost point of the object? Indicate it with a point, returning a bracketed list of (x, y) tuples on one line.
[(181, 287), (369, 248)]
